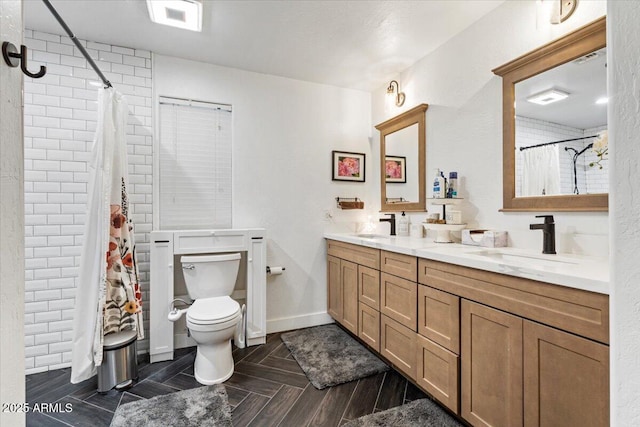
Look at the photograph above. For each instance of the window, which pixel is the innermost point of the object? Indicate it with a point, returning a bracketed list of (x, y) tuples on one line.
[(194, 169)]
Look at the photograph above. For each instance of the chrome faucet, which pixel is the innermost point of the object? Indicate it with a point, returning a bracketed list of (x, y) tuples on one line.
[(548, 233), (391, 220)]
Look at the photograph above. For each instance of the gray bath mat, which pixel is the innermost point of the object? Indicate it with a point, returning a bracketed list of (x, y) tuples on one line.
[(202, 406), (329, 356), (422, 412)]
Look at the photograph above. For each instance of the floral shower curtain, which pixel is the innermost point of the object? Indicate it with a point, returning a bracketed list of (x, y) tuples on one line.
[(108, 297)]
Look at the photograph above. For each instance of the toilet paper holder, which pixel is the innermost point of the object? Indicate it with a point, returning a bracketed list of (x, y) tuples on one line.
[(277, 270)]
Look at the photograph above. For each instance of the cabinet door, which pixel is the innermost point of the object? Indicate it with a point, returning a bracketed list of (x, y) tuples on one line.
[(398, 299), (439, 317), (437, 372), (491, 365), (349, 280), (334, 288), (398, 345), (369, 326), (369, 286), (566, 379)]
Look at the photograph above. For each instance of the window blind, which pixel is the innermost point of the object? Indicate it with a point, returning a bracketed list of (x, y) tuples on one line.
[(194, 165)]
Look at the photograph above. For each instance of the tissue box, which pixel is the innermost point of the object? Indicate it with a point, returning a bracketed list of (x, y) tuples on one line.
[(485, 238)]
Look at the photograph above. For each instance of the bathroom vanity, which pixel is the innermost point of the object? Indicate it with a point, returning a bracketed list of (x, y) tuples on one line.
[(167, 246), (500, 337)]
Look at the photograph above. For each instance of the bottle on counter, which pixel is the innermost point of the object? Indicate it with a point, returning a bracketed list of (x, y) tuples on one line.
[(452, 191), (438, 185)]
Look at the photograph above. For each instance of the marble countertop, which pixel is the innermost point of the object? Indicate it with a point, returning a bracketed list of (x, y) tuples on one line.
[(575, 271)]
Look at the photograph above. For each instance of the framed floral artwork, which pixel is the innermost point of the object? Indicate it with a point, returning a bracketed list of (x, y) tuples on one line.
[(348, 166), (395, 169)]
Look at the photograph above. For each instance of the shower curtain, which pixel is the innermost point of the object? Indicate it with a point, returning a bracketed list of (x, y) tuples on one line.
[(108, 297), (540, 171)]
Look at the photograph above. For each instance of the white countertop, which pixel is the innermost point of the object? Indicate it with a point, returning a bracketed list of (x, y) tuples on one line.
[(575, 271)]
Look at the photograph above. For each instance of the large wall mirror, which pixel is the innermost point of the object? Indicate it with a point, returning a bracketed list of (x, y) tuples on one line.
[(402, 161), (555, 123)]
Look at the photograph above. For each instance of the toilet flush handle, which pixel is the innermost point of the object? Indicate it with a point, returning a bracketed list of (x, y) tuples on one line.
[(188, 266)]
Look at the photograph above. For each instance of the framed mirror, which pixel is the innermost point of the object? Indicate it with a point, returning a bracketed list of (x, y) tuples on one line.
[(554, 111), (402, 161)]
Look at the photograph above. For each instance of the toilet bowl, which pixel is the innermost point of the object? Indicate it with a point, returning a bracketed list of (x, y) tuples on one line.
[(212, 323), (214, 318)]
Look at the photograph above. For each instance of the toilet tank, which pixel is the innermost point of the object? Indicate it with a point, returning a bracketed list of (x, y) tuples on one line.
[(208, 276)]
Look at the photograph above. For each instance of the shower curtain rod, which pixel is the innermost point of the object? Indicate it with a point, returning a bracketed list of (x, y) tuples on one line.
[(66, 28), (557, 142)]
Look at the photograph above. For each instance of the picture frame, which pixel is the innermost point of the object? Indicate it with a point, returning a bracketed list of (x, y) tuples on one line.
[(347, 166), (396, 169)]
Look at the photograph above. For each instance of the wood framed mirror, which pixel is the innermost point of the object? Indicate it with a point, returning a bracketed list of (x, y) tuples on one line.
[(402, 161), (549, 68)]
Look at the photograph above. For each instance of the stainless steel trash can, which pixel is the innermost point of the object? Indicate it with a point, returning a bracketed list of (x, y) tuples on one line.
[(119, 366)]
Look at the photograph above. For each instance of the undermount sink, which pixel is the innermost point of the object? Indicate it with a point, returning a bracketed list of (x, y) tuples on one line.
[(524, 259), (369, 235)]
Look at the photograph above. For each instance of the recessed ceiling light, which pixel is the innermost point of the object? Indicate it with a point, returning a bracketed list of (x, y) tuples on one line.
[(185, 14), (602, 100), (547, 97)]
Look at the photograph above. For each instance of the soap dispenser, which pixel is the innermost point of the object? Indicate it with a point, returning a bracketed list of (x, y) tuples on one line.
[(403, 225)]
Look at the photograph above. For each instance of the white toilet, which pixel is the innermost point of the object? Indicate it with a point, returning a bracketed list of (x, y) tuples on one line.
[(214, 318)]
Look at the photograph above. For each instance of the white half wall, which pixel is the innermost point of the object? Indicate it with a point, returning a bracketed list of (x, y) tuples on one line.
[(464, 120), (623, 55), (283, 134)]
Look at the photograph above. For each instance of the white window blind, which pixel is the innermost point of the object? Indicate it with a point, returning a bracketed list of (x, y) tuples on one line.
[(194, 165)]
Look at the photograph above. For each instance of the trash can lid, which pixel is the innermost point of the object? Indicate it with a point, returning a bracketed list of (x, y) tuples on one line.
[(120, 339)]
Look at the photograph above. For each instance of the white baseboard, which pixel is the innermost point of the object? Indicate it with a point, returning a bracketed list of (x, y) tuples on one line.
[(298, 322)]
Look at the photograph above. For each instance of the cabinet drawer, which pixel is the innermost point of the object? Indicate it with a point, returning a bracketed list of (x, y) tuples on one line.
[(437, 372), (398, 299), (439, 317), (405, 266), (369, 286), (398, 345), (369, 326), (574, 310), (359, 254)]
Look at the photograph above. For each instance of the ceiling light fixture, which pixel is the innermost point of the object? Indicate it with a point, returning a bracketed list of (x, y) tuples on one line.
[(399, 97), (185, 14), (547, 97)]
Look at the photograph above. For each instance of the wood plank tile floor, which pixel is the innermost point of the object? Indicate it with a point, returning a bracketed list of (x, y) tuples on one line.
[(268, 388)]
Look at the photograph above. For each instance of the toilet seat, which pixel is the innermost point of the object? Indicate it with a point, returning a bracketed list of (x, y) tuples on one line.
[(210, 311)]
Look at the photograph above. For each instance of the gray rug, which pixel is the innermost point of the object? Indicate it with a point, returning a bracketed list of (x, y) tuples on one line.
[(329, 356), (422, 412), (203, 406)]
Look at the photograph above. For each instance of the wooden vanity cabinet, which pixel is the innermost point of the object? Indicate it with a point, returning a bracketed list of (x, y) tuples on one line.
[(342, 295), (352, 274), (438, 345), (566, 379)]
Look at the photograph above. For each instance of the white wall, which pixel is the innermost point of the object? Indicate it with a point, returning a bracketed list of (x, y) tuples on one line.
[(60, 122), (464, 120), (11, 223), (623, 56), (283, 134)]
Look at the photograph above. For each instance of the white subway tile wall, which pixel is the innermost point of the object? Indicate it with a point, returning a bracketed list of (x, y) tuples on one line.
[(590, 179), (60, 121)]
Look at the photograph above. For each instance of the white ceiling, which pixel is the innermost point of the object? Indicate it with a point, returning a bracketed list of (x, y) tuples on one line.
[(352, 44)]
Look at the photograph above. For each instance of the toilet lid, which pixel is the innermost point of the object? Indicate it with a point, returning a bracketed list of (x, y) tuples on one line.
[(213, 310)]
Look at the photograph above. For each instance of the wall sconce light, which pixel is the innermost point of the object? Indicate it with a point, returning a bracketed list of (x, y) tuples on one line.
[(558, 10), (399, 97)]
